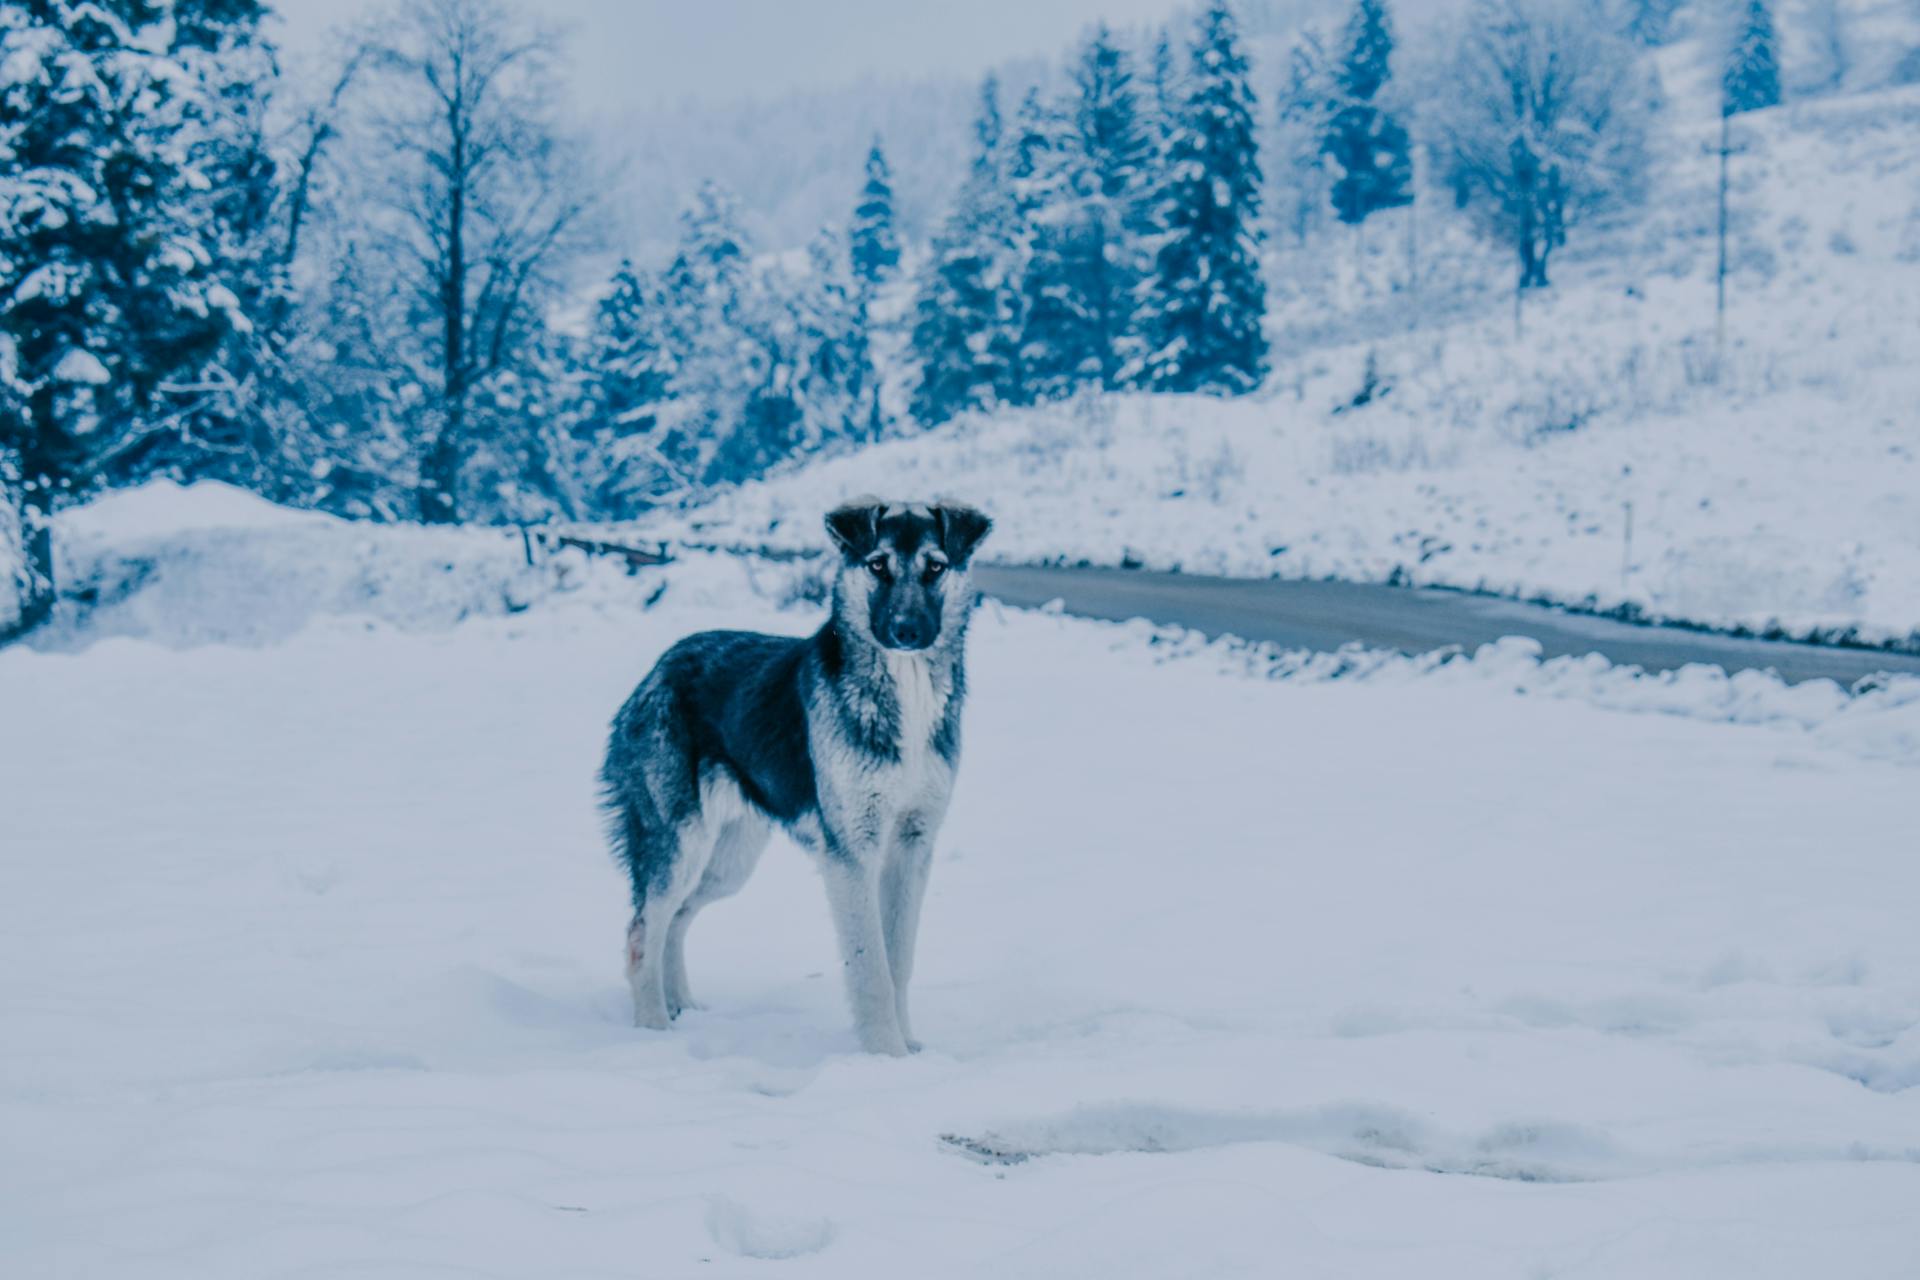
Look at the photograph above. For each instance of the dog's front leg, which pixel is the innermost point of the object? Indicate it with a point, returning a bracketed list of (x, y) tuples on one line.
[(853, 896), (903, 884)]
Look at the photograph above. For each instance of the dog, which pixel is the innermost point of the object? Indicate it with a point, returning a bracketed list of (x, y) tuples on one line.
[(847, 739)]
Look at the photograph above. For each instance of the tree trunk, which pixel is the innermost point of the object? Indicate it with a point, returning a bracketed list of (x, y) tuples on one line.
[(36, 586), (1720, 263), (1533, 262), (1538, 280), (440, 476)]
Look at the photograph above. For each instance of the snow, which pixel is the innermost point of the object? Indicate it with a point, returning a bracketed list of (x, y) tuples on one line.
[(81, 366), (1606, 457), (163, 508), (1234, 963)]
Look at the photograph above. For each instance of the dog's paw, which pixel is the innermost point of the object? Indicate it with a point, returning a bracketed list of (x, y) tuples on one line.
[(914, 1046), (890, 1044)]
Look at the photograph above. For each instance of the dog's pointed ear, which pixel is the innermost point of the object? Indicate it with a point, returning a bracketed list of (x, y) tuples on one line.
[(855, 528), (961, 530)]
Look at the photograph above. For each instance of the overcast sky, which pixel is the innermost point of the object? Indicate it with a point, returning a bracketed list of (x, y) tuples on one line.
[(639, 53)]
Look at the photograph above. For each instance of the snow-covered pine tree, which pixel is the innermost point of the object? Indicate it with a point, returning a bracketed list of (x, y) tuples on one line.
[(109, 284), (704, 296), (958, 336), (1111, 167), (1163, 88), (519, 466), (627, 369), (874, 244), (1038, 325), (1205, 300), (1369, 148), (340, 421), (1750, 78), (1057, 336), (215, 408), (1545, 124), (836, 386), (770, 424), (872, 255)]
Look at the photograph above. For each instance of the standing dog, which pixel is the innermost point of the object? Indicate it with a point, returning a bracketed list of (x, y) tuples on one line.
[(848, 739)]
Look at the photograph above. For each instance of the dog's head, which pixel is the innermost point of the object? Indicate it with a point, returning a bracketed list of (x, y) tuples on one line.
[(903, 568)]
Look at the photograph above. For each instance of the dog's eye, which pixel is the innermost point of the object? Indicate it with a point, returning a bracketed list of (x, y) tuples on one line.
[(878, 568), (934, 569)]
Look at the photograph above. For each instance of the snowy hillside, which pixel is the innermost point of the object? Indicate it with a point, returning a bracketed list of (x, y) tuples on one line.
[(1777, 487), (311, 952)]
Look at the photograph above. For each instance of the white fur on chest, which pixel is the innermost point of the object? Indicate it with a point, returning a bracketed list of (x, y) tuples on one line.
[(921, 703), (867, 798)]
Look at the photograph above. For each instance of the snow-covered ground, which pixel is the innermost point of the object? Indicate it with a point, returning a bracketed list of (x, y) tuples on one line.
[(1233, 963), (1607, 457)]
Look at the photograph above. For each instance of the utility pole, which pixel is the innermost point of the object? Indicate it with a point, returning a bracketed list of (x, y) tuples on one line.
[(1720, 272)]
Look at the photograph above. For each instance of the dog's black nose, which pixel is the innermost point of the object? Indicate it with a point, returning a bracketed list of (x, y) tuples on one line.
[(911, 633)]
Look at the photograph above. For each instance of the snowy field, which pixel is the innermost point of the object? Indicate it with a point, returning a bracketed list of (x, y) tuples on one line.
[(1233, 964), (1607, 457)]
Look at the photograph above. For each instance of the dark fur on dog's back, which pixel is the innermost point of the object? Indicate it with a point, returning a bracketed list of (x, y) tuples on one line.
[(719, 699)]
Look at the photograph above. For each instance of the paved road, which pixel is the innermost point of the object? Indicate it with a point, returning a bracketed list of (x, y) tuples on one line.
[(1325, 615)]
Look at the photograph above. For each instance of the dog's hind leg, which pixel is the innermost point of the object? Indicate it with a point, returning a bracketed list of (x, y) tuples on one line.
[(853, 896), (644, 975), (658, 899), (735, 854), (649, 849), (647, 940)]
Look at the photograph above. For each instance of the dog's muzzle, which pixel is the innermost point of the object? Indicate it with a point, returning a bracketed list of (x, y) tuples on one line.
[(910, 633)]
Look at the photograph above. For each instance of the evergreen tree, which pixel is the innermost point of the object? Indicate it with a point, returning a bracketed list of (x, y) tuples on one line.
[(110, 285), (704, 299), (1205, 300), (340, 423), (958, 336), (216, 407), (1031, 249), (520, 465), (875, 247), (768, 423), (838, 386), (1370, 150), (628, 370), (1113, 175), (873, 251), (1750, 80), (1163, 88), (1048, 337), (1079, 177)]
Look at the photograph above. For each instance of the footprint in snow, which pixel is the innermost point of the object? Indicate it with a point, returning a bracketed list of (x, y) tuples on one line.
[(750, 1233)]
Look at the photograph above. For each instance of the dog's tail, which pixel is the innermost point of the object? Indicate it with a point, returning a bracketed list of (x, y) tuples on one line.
[(626, 832)]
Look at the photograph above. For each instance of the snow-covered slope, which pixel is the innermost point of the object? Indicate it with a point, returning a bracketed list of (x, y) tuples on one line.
[(1607, 455), (1233, 963)]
